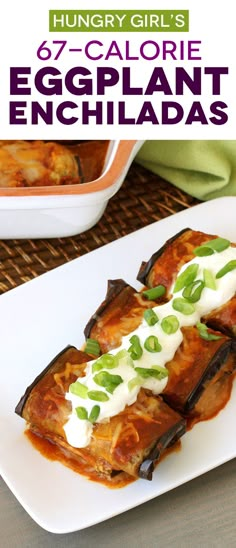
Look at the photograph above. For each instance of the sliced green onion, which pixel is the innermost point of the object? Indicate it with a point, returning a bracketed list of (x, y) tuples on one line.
[(161, 370), (203, 251), (135, 349), (209, 279), (78, 389), (92, 347), (150, 316), (107, 381), (81, 413), (219, 244), (97, 366), (186, 277), (192, 293), (135, 381), (215, 245), (107, 361), (183, 306), (122, 354), (154, 292), (152, 344), (231, 265), (156, 371), (204, 333), (94, 413), (98, 395), (170, 324)]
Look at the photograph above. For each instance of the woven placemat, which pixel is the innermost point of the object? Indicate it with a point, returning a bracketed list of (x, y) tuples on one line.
[(143, 198)]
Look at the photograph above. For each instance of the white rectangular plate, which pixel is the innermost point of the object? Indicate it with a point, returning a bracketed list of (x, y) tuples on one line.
[(40, 318)]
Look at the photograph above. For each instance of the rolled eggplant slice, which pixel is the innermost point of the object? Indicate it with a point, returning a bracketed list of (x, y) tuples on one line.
[(199, 369), (120, 313), (164, 264), (199, 366), (130, 442)]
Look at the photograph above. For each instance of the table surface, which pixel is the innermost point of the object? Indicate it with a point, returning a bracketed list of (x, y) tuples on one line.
[(200, 513)]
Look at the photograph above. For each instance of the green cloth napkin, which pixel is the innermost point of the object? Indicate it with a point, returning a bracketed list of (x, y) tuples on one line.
[(204, 169)]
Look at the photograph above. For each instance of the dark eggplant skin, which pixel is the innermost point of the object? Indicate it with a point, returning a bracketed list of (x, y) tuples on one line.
[(169, 438), (216, 363), (147, 266), (195, 369), (223, 318), (233, 343), (119, 314), (19, 409), (114, 288)]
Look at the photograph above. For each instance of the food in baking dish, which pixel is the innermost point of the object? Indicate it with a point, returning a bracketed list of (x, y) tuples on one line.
[(42, 163), (152, 365)]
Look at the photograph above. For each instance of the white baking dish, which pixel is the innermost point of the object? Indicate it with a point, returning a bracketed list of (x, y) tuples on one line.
[(52, 212)]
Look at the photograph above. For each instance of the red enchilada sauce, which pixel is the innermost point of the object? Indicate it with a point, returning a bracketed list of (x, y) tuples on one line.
[(55, 453)]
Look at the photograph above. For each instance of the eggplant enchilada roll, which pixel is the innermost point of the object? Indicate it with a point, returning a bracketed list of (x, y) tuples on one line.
[(200, 369), (188, 247), (128, 444), (164, 264)]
